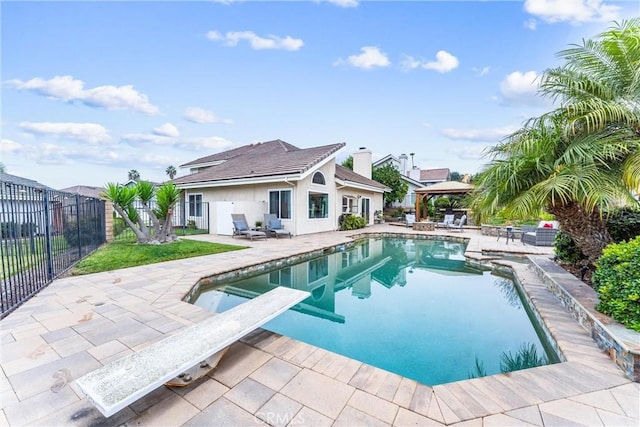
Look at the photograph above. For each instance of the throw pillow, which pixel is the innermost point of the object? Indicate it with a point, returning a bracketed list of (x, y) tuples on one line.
[(275, 224), (547, 225), (240, 225)]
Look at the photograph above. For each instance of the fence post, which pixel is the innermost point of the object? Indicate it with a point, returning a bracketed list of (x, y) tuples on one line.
[(48, 237), (78, 226)]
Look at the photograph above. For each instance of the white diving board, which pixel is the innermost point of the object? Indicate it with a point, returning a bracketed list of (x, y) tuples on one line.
[(123, 381)]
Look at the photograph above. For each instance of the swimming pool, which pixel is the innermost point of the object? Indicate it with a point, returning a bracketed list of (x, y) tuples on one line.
[(410, 306)]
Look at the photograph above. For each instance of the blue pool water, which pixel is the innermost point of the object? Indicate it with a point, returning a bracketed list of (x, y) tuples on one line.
[(412, 307)]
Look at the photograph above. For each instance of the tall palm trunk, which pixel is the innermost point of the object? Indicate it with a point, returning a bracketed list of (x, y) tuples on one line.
[(587, 229)]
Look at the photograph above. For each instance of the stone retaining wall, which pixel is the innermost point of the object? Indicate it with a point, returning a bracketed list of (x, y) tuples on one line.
[(623, 345)]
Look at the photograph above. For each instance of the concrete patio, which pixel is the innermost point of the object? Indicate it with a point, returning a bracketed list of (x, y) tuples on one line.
[(77, 324)]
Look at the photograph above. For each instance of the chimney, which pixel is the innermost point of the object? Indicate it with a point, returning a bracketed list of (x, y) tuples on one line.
[(362, 162), (403, 163), (414, 174)]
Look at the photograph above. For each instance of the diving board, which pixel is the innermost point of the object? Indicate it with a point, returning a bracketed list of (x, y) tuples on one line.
[(123, 381)]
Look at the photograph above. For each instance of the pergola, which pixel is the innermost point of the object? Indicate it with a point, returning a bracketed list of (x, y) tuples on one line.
[(442, 188)]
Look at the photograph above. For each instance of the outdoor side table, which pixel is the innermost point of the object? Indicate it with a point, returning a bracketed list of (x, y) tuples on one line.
[(508, 232)]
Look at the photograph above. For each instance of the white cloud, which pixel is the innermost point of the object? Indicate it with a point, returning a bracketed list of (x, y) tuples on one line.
[(370, 57), (531, 24), (52, 154), (468, 152), (573, 11), (489, 134), (9, 146), (154, 159), (199, 115), (148, 138), (191, 143), (444, 62), (166, 129), (409, 63), (68, 89), (481, 71), (91, 133), (345, 3), (207, 143), (521, 88), (232, 38)]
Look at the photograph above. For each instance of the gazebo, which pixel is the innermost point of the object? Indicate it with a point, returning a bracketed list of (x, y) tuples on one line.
[(442, 188)]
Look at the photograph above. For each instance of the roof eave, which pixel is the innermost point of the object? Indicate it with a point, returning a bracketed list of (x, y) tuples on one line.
[(360, 186), (240, 181)]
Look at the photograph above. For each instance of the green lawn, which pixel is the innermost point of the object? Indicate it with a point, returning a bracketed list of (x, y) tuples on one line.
[(22, 254), (116, 255)]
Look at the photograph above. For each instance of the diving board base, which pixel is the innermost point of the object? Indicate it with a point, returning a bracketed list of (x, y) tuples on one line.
[(196, 372)]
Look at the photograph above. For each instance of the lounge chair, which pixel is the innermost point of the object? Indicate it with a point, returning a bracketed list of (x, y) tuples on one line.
[(273, 225), (241, 228), (543, 235), (448, 219), (409, 220), (457, 226)]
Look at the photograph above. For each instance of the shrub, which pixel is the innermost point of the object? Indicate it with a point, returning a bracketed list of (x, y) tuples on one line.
[(566, 249), (119, 226), (617, 280), (28, 229), (89, 233), (9, 230), (624, 224), (352, 222)]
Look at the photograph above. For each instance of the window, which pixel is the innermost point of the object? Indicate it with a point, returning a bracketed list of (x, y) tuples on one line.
[(195, 204), (282, 277), (318, 178), (318, 205), (280, 203), (348, 204), (318, 269)]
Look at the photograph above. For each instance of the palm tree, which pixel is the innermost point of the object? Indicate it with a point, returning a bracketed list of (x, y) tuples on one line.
[(134, 175), (171, 171), (581, 159)]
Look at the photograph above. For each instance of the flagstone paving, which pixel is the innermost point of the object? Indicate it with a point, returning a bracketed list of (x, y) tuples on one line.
[(80, 323)]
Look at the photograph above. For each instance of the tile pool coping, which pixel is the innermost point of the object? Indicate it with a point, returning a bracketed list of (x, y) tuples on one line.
[(77, 324)]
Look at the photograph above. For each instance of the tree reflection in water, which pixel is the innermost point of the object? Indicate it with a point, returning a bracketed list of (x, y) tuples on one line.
[(525, 357)]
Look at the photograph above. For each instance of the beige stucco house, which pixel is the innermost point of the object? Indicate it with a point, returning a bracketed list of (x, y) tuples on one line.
[(304, 187)]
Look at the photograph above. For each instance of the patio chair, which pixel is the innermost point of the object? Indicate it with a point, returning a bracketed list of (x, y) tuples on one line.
[(409, 220), (273, 225), (241, 228), (448, 219), (457, 226), (543, 235)]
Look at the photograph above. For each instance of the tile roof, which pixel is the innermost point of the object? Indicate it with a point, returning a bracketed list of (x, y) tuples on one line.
[(346, 174), (434, 174), (258, 160), (85, 190), (14, 179), (260, 147)]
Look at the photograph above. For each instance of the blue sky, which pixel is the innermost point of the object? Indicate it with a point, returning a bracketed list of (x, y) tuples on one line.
[(91, 90)]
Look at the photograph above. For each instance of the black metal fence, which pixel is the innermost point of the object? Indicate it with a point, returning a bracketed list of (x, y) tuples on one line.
[(188, 218), (43, 233)]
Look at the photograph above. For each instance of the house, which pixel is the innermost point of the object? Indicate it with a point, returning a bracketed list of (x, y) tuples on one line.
[(22, 207), (304, 187), (414, 177)]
